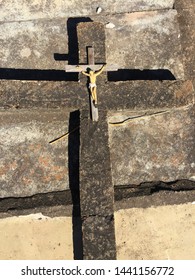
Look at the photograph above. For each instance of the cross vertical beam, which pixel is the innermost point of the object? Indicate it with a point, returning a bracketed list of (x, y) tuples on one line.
[(96, 188)]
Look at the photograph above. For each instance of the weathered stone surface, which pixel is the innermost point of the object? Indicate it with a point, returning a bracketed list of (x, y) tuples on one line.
[(32, 44), (186, 21), (40, 9), (133, 95), (96, 188), (146, 40), (145, 95), (99, 238), (29, 164), (157, 147), (91, 34), (141, 40), (42, 94)]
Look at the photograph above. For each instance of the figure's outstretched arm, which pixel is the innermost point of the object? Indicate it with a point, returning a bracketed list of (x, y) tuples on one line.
[(83, 72), (100, 71)]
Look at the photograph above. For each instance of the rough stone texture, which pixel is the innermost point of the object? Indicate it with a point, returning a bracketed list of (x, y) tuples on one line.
[(91, 34), (29, 164), (36, 237), (153, 147), (134, 95), (165, 233), (42, 94), (145, 95), (32, 44), (137, 41), (96, 190), (146, 40), (40, 9), (186, 19), (99, 238)]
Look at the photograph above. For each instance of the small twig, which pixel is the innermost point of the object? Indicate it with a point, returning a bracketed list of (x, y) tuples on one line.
[(63, 136), (137, 117)]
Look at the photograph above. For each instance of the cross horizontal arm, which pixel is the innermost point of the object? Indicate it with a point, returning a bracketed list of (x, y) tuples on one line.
[(94, 67)]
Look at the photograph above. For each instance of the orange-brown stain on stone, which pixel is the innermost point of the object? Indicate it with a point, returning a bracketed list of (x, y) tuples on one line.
[(35, 147), (179, 158), (6, 168), (45, 161), (185, 90)]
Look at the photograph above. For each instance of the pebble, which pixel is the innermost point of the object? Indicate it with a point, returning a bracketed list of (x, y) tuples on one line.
[(98, 10), (110, 25)]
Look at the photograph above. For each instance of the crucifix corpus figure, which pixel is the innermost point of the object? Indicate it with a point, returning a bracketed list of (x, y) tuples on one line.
[(92, 80), (92, 75)]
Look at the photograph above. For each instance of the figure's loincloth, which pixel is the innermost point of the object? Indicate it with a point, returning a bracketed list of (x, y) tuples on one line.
[(92, 85)]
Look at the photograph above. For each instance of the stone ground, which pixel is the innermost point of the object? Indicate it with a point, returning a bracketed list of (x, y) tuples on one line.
[(152, 150)]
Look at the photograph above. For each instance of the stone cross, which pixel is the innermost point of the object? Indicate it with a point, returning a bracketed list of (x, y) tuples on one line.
[(91, 65), (96, 188)]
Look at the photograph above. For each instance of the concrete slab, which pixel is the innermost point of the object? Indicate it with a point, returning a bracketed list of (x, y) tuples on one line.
[(36, 237), (41, 9), (154, 146), (161, 233), (29, 164), (140, 40)]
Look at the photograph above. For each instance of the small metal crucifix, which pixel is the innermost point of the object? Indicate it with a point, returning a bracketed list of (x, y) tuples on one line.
[(91, 70)]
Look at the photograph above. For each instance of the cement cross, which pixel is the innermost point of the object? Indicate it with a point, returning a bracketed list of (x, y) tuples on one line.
[(91, 65)]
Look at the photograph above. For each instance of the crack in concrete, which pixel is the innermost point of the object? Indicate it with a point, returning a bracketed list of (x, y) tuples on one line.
[(64, 198), (38, 200), (150, 188), (146, 115), (93, 15)]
